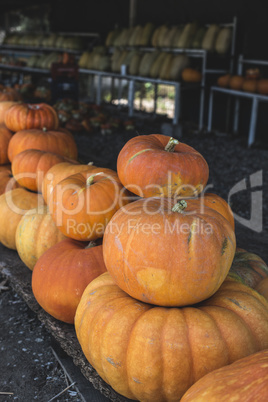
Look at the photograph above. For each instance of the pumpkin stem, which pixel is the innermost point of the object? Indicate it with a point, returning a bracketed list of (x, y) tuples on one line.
[(44, 129), (90, 163), (171, 144), (91, 244), (90, 180), (179, 206)]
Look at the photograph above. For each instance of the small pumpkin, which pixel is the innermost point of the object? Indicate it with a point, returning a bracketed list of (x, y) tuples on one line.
[(262, 86), (60, 142), (61, 275), (191, 75), (83, 204), (35, 234), (244, 380), (4, 106), (250, 85), (59, 172), (167, 253), (249, 267), (5, 137), (236, 82), (25, 116), (224, 81), (13, 205), (7, 181), (30, 166), (156, 165), (157, 353)]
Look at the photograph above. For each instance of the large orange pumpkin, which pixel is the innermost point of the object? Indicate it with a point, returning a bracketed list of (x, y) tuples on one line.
[(13, 205), (61, 275), (7, 181), (249, 267), (5, 137), (152, 353), (216, 202), (30, 166), (166, 254), (35, 234), (156, 165), (59, 172), (59, 142), (244, 380), (83, 204), (24, 116)]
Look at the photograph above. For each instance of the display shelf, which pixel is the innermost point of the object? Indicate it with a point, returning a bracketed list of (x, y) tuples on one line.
[(256, 98)]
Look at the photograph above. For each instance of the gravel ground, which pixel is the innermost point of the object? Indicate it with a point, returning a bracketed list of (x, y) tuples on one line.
[(28, 368)]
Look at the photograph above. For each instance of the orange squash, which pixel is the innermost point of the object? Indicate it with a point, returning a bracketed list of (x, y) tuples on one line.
[(168, 254), (61, 275), (151, 353), (244, 380)]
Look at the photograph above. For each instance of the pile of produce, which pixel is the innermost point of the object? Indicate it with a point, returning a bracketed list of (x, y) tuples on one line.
[(251, 81), (141, 260)]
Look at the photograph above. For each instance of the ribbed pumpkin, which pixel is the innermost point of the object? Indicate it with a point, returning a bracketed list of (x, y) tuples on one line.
[(13, 205), (249, 267), (157, 165), (24, 116), (7, 181), (83, 204), (60, 142), (59, 172), (5, 137), (244, 380), (61, 275), (216, 202), (35, 234), (168, 254), (4, 106), (151, 353), (30, 166)]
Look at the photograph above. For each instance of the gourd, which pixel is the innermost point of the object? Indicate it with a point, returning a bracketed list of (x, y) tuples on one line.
[(61, 275), (35, 234), (157, 353), (167, 253), (24, 116), (60, 142), (157, 165), (244, 380), (209, 39), (187, 35), (178, 63), (223, 40)]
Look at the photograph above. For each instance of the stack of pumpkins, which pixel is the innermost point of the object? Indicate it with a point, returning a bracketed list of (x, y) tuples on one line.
[(138, 260)]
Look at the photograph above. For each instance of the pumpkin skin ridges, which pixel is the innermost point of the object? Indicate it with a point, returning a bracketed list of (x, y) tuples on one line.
[(157, 172), (147, 359), (244, 380), (166, 273), (62, 273)]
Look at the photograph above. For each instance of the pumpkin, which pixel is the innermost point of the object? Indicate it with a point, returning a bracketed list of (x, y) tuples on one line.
[(9, 94), (5, 167), (249, 267), (167, 253), (13, 205), (157, 353), (59, 142), (59, 172), (191, 75), (5, 136), (30, 166), (224, 81), (157, 165), (7, 181), (83, 204), (236, 82), (216, 202), (250, 85), (61, 275), (4, 106), (35, 234), (262, 287), (24, 116), (253, 73), (262, 86), (244, 380)]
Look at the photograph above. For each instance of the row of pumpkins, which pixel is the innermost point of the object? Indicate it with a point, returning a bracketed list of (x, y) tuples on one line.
[(251, 81), (139, 260), (154, 64), (212, 38)]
